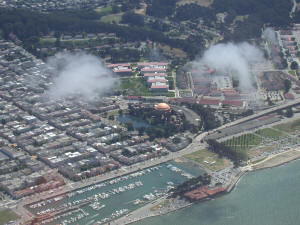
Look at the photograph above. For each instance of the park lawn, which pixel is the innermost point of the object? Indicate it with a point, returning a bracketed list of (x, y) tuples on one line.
[(204, 3), (7, 215), (258, 151), (293, 73), (137, 86), (112, 17), (208, 159), (161, 205), (290, 127), (244, 142), (270, 133), (47, 43), (104, 10), (47, 40)]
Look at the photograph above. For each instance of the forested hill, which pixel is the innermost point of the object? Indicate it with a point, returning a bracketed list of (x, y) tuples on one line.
[(274, 13), (256, 13), (164, 21), (29, 26)]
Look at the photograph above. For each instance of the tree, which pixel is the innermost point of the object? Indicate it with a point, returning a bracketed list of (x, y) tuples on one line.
[(57, 42), (129, 126), (133, 19), (176, 140), (115, 9), (287, 85), (294, 65), (141, 131), (159, 8), (284, 64), (289, 112), (235, 82)]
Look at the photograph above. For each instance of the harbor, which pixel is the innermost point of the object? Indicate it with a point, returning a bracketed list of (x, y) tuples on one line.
[(106, 201)]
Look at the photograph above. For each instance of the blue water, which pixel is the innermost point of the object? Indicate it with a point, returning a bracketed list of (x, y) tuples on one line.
[(153, 180), (265, 197)]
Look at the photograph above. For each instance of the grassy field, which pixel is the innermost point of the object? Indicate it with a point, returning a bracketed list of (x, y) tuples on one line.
[(290, 127), (270, 133), (104, 10), (112, 17), (204, 3), (136, 86), (161, 205), (7, 215), (293, 73), (208, 159), (244, 142), (260, 150)]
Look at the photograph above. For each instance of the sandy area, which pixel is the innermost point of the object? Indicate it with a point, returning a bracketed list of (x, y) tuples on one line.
[(278, 159)]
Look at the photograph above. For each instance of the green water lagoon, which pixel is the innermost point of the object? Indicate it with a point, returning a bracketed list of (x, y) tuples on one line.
[(265, 197)]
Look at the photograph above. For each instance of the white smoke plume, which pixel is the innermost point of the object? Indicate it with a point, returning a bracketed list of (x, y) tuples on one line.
[(270, 35), (235, 58), (79, 74)]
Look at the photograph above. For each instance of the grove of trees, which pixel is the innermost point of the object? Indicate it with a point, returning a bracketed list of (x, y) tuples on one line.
[(236, 155)]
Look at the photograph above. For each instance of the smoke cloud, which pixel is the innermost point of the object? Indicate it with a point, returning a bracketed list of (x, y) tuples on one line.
[(270, 35), (234, 58), (79, 74)]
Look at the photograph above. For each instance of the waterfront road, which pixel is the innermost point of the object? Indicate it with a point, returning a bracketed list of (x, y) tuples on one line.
[(194, 146)]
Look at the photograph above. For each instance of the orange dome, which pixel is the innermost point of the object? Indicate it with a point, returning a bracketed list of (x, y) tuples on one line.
[(162, 107)]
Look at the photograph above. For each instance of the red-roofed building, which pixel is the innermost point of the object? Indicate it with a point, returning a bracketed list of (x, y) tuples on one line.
[(155, 80), (146, 75), (233, 103), (118, 65), (233, 97), (214, 102), (212, 192), (183, 100), (203, 193), (215, 93), (195, 195), (132, 97), (153, 70), (159, 87), (230, 92), (289, 96), (122, 71), (144, 64)]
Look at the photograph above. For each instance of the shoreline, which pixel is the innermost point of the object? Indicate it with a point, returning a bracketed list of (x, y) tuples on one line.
[(270, 162)]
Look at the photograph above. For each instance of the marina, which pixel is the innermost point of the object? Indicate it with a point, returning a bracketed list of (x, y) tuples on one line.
[(264, 197), (106, 201)]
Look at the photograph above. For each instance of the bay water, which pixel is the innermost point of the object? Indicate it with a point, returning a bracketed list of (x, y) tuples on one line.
[(265, 197)]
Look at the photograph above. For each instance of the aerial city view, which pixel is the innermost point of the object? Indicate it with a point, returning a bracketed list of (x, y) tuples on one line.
[(149, 112)]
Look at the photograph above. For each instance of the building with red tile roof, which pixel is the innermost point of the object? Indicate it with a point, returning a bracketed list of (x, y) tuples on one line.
[(215, 102), (289, 96)]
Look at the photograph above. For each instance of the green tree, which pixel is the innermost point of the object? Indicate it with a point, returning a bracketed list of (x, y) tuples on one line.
[(289, 112), (129, 126), (287, 85), (294, 65)]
